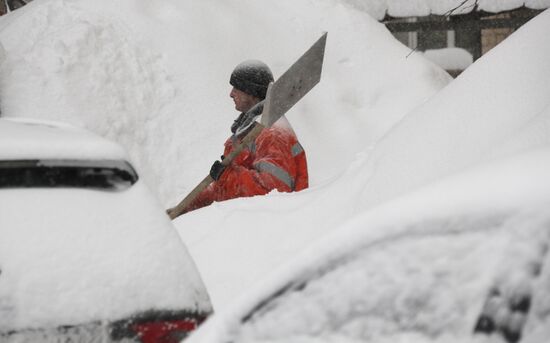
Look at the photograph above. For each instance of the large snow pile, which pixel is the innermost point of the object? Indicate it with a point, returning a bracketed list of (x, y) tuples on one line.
[(154, 77), (416, 269), (498, 107)]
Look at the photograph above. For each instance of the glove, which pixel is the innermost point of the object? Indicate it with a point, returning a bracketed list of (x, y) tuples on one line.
[(216, 170)]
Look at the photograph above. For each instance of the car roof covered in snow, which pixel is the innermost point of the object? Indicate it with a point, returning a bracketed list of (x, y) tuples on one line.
[(484, 228), (70, 256), (36, 139)]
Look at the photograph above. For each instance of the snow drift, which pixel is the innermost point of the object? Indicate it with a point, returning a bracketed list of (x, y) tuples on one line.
[(416, 269), (498, 106), (480, 148), (154, 77)]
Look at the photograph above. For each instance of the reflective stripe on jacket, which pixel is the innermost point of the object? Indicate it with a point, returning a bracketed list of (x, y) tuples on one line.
[(275, 160)]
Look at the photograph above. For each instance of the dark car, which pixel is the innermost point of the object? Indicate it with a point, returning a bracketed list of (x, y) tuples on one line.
[(86, 252), (464, 260)]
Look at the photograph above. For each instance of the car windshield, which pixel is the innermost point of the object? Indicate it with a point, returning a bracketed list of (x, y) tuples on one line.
[(104, 174)]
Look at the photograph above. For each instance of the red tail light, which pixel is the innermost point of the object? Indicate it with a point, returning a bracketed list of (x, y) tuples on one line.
[(172, 331), (157, 326)]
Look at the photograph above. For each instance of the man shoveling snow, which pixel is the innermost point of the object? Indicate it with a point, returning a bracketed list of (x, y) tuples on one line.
[(274, 160)]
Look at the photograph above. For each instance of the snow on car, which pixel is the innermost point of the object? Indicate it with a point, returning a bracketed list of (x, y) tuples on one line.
[(150, 76), (464, 260), (86, 252), (498, 107)]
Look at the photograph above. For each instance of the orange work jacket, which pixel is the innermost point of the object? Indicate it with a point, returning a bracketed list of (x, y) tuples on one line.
[(275, 160)]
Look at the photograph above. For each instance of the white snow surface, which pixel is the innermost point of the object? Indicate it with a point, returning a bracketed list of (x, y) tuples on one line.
[(155, 78), (108, 256), (498, 107), (415, 8), (81, 255), (152, 77), (38, 139), (416, 269), (494, 108), (450, 58)]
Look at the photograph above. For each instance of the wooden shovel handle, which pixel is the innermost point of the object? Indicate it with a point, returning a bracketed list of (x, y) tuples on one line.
[(181, 208)]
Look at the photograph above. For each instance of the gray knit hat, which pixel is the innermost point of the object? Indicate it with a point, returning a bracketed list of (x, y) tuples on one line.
[(252, 77)]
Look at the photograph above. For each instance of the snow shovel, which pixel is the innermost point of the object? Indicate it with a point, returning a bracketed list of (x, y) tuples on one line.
[(296, 82)]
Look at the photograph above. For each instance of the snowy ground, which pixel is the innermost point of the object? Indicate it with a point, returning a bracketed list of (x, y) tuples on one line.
[(416, 269), (480, 147), (498, 107), (155, 79)]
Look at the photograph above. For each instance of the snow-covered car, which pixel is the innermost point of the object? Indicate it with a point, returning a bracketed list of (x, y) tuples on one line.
[(86, 252), (463, 260)]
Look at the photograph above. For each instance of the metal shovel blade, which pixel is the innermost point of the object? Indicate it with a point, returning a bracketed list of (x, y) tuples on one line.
[(296, 82)]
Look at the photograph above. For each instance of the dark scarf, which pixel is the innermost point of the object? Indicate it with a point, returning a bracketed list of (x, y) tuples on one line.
[(244, 121)]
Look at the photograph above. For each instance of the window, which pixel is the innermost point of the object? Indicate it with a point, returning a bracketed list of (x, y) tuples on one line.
[(105, 175)]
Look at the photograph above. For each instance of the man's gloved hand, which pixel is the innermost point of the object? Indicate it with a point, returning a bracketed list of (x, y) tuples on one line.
[(216, 170)]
